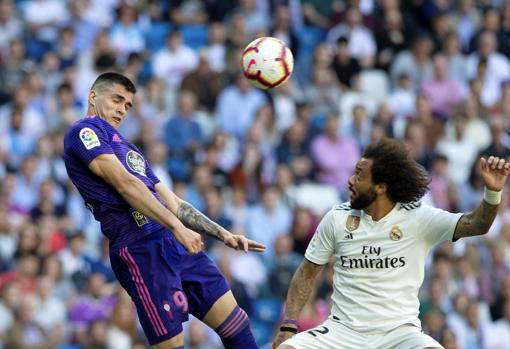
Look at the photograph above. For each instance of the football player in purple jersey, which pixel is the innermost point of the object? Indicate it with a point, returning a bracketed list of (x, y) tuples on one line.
[(155, 243)]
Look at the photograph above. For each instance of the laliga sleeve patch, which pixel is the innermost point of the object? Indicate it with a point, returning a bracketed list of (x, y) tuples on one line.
[(89, 138)]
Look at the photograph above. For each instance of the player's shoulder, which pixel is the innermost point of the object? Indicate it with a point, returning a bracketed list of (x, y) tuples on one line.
[(88, 130), (410, 206), (92, 122), (89, 125), (346, 206), (344, 209)]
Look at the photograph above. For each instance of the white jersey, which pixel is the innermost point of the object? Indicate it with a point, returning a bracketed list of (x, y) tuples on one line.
[(379, 266)]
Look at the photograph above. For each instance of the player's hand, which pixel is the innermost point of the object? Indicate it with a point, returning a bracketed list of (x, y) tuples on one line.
[(494, 172), (241, 243), (281, 337), (192, 241)]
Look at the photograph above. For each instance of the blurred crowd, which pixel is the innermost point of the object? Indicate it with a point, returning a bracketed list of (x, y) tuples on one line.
[(268, 164)]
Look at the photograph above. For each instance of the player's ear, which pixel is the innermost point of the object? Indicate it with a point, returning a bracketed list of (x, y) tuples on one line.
[(92, 97), (381, 188)]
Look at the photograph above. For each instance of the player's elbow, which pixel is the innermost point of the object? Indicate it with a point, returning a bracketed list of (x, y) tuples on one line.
[(309, 269), (125, 185), (484, 230)]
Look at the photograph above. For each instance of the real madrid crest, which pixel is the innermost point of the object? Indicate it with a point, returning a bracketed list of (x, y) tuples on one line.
[(352, 223), (396, 234)]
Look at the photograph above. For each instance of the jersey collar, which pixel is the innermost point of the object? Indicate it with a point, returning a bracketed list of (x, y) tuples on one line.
[(388, 216)]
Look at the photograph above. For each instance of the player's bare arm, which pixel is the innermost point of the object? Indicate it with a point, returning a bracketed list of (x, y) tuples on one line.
[(197, 221), (134, 191), (300, 289), (194, 219), (494, 173)]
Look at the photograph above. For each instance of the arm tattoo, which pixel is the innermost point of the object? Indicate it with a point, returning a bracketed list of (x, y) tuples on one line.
[(477, 222), (300, 288), (197, 221)]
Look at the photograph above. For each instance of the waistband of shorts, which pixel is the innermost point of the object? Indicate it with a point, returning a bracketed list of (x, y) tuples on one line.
[(155, 235)]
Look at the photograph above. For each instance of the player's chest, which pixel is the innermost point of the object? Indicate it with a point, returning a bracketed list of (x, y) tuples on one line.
[(361, 237), (129, 156)]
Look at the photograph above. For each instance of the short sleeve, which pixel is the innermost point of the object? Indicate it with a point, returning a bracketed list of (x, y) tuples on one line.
[(439, 225), (322, 245), (148, 170), (88, 142)]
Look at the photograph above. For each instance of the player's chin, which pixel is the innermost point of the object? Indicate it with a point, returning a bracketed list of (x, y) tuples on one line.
[(117, 120)]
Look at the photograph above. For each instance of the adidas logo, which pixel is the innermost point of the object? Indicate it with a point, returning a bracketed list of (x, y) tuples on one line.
[(116, 138)]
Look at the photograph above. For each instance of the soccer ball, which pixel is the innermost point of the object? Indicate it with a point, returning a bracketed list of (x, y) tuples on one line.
[(267, 62)]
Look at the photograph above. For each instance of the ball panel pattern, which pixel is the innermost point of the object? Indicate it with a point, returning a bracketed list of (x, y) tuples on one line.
[(267, 62)]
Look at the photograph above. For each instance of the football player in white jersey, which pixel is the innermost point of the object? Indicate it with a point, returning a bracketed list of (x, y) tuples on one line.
[(379, 242)]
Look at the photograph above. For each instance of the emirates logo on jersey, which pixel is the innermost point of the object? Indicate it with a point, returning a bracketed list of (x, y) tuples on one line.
[(371, 257), (135, 162)]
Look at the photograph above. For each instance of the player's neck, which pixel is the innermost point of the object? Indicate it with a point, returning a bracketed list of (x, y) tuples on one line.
[(91, 111), (379, 208)]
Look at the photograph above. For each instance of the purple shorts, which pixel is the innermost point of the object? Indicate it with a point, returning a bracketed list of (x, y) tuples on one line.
[(166, 284)]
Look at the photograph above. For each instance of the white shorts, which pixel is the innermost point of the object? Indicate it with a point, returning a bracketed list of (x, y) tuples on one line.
[(333, 335)]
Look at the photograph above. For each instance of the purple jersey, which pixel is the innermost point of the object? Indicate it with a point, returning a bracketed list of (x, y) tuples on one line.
[(85, 140)]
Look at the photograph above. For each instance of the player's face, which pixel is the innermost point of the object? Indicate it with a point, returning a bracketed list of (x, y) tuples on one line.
[(112, 103), (361, 189)]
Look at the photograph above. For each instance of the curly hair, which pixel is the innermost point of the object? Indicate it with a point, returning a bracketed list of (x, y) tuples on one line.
[(407, 180)]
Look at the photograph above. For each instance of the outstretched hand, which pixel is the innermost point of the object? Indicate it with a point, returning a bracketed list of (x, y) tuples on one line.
[(494, 172), (241, 243)]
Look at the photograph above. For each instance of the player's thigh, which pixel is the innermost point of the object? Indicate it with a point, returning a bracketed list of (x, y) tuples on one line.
[(172, 343), (406, 337), (220, 310), (329, 335), (155, 288), (207, 291)]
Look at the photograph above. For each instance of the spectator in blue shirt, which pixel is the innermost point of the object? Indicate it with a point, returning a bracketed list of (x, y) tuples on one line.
[(183, 136), (237, 106)]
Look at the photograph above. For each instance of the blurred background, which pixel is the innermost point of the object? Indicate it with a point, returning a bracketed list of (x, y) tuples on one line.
[(435, 73)]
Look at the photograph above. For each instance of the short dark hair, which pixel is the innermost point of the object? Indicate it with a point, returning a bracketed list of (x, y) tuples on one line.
[(104, 62), (407, 181), (342, 40), (65, 87), (110, 78)]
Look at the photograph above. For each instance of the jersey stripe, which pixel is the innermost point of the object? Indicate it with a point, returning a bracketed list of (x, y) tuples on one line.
[(346, 206), (410, 205)]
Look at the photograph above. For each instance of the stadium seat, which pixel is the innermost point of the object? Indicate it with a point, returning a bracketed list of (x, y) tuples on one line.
[(375, 83), (195, 36), (156, 35), (351, 99), (146, 71), (309, 37), (267, 310), (36, 49), (69, 346), (319, 198)]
